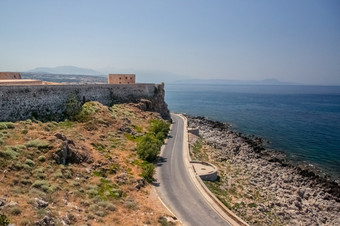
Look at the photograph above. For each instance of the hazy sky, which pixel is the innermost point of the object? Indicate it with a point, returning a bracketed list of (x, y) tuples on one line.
[(297, 41)]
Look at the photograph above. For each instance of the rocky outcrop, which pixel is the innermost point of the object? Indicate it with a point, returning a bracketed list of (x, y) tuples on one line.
[(300, 195), (158, 102), (70, 154)]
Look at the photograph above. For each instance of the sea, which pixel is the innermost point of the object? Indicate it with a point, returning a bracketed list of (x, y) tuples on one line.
[(301, 121)]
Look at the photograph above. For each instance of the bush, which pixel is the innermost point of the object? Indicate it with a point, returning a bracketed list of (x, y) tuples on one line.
[(87, 112), (41, 184), (9, 153), (4, 220), (160, 129), (148, 147), (14, 210), (73, 106), (148, 171), (6, 125), (42, 158), (39, 144), (29, 162)]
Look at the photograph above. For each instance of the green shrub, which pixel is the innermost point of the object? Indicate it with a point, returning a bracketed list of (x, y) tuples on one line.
[(107, 205), (30, 162), (39, 173), (14, 210), (131, 204), (42, 185), (6, 125), (9, 153), (148, 171), (160, 129), (66, 124), (57, 174), (106, 189), (4, 220), (99, 147), (137, 128), (197, 146), (88, 111), (73, 106), (148, 147), (39, 144), (42, 158)]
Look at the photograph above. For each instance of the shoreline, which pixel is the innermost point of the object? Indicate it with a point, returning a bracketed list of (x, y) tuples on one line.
[(294, 193), (273, 154)]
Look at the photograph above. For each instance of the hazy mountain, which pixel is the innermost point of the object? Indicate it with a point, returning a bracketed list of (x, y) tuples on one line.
[(236, 82), (71, 70)]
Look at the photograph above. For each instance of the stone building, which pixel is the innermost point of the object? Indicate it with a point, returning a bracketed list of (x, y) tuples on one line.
[(122, 79), (14, 79), (9, 75)]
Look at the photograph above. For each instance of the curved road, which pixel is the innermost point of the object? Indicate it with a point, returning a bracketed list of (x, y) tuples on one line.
[(176, 188)]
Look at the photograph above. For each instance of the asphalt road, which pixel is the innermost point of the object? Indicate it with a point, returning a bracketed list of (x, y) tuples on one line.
[(175, 187)]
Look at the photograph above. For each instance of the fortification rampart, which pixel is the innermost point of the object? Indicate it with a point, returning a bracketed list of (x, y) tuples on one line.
[(55, 102)]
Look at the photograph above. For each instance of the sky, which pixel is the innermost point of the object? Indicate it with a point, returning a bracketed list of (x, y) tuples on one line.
[(293, 41)]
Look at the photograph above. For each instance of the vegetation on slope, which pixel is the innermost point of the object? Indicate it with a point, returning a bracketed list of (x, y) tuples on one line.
[(89, 170)]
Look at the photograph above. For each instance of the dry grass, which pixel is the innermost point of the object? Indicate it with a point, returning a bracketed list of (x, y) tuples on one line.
[(91, 191)]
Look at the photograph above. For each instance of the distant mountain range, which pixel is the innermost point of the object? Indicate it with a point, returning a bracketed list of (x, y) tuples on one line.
[(235, 82), (69, 70), (75, 74)]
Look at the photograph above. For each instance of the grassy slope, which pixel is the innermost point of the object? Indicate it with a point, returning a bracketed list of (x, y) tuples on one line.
[(101, 191)]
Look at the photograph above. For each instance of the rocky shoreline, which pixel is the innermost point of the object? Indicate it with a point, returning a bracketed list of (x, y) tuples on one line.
[(288, 193)]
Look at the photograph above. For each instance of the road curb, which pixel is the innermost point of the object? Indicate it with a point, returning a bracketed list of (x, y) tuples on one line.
[(213, 201)]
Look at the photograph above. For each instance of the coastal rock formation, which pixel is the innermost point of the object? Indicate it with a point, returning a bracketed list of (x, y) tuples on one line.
[(292, 194)]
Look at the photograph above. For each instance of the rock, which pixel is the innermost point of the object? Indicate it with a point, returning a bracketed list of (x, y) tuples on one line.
[(145, 105), (140, 183), (70, 154), (2, 202), (46, 221), (12, 203), (299, 195), (122, 178), (125, 128), (41, 203)]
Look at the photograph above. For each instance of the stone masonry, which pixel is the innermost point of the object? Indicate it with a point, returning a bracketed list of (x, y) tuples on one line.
[(122, 79), (52, 102), (9, 75)]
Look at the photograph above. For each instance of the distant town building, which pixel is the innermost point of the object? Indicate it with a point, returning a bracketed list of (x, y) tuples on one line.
[(122, 79), (14, 79), (9, 75)]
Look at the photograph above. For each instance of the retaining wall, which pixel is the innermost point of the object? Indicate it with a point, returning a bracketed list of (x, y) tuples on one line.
[(208, 176)]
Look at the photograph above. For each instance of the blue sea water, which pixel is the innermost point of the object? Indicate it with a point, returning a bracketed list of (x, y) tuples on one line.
[(302, 121)]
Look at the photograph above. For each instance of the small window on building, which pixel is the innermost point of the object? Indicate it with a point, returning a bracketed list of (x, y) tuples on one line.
[(120, 78)]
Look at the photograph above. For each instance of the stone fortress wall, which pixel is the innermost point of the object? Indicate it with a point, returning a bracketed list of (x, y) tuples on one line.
[(53, 102)]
